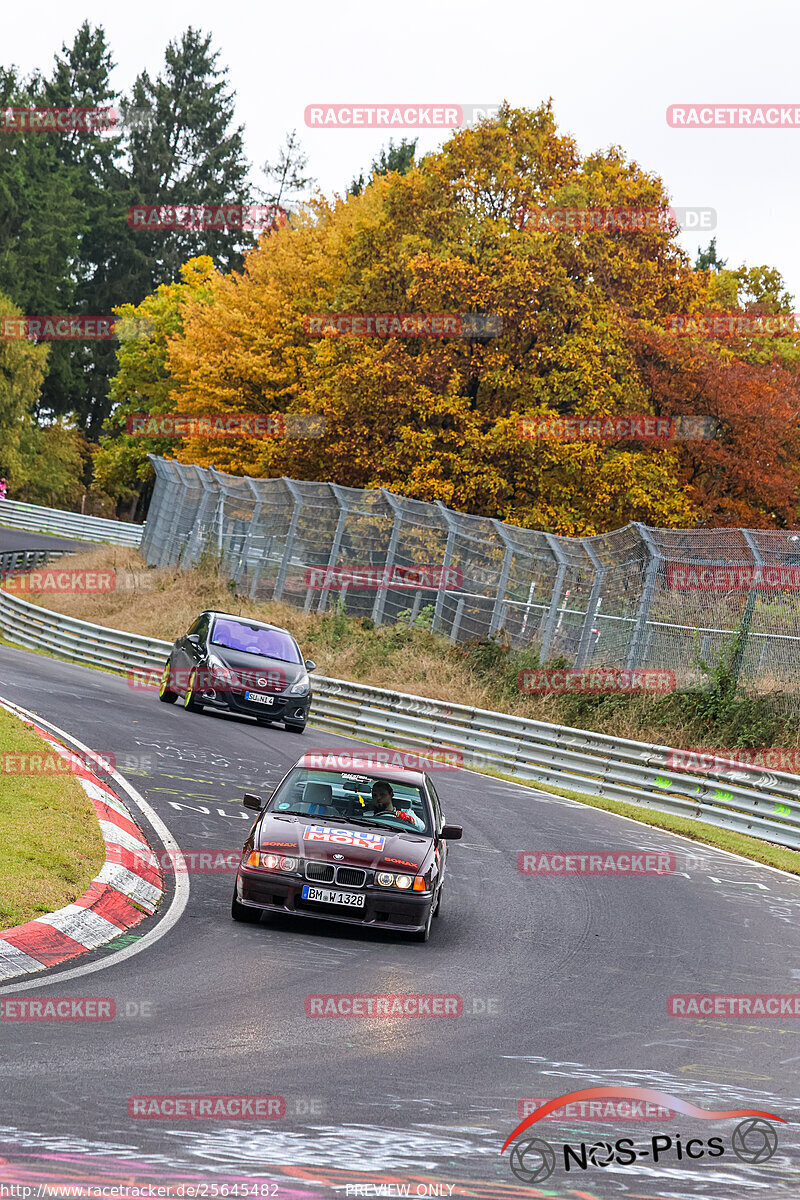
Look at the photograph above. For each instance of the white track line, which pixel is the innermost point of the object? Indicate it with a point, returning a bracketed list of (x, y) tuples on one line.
[(180, 896)]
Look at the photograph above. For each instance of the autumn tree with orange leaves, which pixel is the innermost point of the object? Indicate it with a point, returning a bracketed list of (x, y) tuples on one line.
[(584, 318)]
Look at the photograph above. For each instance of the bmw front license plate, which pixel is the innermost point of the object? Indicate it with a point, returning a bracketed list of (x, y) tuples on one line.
[(257, 698), (329, 896)]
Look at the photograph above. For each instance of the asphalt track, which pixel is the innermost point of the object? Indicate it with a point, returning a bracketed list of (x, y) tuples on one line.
[(21, 539), (563, 980)]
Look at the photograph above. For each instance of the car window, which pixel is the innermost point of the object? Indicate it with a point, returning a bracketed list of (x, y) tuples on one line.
[(436, 802), (202, 619), (202, 627), (254, 639), (348, 796)]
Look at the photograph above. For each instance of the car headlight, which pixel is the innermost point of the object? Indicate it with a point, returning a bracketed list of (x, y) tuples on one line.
[(271, 862), (299, 688), (222, 673), (404, 882)]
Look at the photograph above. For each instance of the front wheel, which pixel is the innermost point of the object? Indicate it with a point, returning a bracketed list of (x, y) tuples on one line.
[(165, 692), (189, 701)]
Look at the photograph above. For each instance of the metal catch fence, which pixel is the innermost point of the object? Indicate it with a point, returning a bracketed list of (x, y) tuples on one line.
[(637, 597)]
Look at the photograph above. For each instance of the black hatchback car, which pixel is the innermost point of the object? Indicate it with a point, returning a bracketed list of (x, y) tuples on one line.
[(241, 666)]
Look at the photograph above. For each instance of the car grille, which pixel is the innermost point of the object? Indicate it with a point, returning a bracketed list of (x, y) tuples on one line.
[(327, 873), (350, 876), (321, 872), (250, 681)]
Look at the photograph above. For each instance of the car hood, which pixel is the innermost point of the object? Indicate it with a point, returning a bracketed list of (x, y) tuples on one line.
[(361, 845), (274, 670)]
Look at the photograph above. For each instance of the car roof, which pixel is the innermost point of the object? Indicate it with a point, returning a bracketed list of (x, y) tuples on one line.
[(362, 765), (213, 612)]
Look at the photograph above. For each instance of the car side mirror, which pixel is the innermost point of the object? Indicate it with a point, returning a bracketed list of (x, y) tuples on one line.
[(251, 800), (310, 665), (194, 639), (451, 833)]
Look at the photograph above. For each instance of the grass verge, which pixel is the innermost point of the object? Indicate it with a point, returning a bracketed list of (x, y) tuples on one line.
[(52, 845)]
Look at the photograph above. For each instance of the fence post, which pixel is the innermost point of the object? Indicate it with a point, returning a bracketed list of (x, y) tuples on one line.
[(450, 546), (337, 543), (290, 534), (747, 619), (502, 583), (592, 606), (648, 590), (549, 623), (245, 551), (193, 547), (380, 596)]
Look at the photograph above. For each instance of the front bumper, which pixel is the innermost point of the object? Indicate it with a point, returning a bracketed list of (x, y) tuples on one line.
[(283, 708), (384, 908)]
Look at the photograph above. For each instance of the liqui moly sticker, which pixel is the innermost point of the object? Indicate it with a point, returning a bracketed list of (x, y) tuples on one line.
[(343, 837)]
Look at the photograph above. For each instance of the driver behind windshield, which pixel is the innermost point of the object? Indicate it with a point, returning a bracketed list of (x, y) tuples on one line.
[(383, 805)]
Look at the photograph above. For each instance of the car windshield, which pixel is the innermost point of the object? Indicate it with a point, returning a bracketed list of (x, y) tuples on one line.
[(346, 796), (255, 639)]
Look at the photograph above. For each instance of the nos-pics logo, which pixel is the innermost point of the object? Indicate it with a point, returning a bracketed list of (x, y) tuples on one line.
[(754, 1140)]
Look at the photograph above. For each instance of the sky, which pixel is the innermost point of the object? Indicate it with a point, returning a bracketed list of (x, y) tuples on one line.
[(612, 70)]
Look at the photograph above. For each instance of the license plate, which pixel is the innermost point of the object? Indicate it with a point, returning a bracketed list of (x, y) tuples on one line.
[(258, 698), (329, 896)]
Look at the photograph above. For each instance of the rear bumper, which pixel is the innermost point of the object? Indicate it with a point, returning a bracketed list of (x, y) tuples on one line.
[(383, 909)]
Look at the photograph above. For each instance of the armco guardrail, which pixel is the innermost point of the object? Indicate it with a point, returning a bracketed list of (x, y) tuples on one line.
[(37, 519), (765, 806), (18, 561)]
